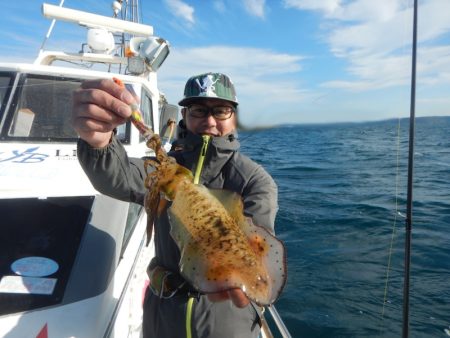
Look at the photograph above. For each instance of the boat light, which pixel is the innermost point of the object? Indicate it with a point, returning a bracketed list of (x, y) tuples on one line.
[(153, 50)]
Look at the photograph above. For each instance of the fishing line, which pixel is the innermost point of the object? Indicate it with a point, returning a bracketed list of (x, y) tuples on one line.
[(397, 175), (251, 133), (394, 226), (243, 139)]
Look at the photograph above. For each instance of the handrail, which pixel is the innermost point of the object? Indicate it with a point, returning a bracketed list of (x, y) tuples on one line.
[(279, 322)]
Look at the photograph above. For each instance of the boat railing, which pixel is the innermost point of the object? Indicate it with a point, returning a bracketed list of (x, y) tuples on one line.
[(48, 57), (282, 329)]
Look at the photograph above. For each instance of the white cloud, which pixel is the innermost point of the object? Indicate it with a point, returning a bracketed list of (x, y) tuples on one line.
[(367, 10), (255, 7), (433, 19), (182, 10), (261, 76), (245, 61), (374, 37), (374, 73), (445, 100), (358, 10), (434, 65)]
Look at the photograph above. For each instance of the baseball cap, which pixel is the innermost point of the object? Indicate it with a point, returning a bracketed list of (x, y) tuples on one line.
[(209, 85)]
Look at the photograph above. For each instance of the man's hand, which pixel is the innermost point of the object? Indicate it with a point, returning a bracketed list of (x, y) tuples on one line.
[(237, 296), (99, 106)]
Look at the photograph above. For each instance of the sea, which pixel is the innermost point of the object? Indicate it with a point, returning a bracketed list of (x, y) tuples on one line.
[(342, 206)]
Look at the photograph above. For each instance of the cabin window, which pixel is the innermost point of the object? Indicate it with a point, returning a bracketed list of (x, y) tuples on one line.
[(4, 86), (134, 214), (168, 122), (6, 80), (43, 108), (147, 112)]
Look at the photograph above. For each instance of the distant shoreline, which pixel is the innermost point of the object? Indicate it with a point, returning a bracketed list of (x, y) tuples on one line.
[(284, 125)]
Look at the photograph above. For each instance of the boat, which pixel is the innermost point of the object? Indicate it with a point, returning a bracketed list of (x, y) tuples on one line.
[(73, 261)]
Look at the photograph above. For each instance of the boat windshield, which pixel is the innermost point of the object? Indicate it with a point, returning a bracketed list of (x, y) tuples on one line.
[(38, 108)]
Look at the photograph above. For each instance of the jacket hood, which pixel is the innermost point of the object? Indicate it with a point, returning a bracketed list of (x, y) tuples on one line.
[(220, 149)]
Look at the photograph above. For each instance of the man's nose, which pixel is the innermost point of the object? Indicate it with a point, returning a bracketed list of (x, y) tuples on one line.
[(210, 120)]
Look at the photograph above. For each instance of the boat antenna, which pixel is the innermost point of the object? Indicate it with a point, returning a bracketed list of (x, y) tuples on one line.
[(409, 198), (50, 29), (130, 12)]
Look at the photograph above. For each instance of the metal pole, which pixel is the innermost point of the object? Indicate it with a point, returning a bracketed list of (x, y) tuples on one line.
[(409, 199), (279, 322), (49, 31)]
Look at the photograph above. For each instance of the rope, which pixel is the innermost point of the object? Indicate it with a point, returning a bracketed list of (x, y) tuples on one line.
[(189, 307), (201, 159)]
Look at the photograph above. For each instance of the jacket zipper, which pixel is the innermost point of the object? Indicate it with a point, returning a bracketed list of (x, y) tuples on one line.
[(201, 158)]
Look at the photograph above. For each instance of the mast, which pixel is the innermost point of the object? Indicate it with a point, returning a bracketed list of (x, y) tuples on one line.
[(409, 199), (131, 12), (128, 10)]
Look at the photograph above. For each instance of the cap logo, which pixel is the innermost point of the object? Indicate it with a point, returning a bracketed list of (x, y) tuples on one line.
[(207, 87)]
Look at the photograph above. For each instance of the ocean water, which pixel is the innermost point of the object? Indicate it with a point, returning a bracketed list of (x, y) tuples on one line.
[(342, 199)]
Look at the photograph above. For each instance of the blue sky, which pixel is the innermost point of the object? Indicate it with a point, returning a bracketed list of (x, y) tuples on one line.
[(292, 61)]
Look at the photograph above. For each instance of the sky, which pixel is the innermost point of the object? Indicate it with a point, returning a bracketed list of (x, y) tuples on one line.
[(292, 61)]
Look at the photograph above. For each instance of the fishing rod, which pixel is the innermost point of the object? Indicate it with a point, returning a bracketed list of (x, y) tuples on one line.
[(409, 198)]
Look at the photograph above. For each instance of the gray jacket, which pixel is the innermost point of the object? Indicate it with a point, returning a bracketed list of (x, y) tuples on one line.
[(114, 174)]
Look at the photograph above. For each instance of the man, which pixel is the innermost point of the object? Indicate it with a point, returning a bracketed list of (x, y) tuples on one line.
[(208, 146)]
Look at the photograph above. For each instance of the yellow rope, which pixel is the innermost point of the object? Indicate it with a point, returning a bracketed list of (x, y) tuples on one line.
[(201, 159), (190, 304)]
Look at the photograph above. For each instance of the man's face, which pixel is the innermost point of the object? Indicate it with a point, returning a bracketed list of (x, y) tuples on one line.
[(210, 124)]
